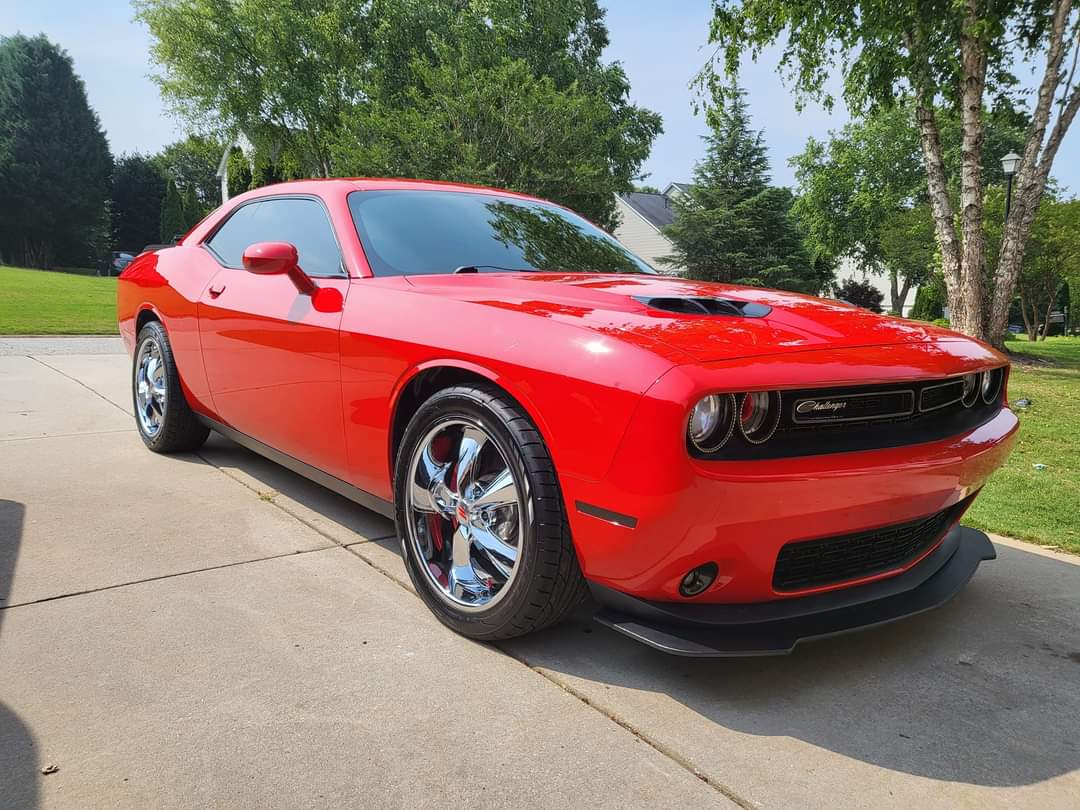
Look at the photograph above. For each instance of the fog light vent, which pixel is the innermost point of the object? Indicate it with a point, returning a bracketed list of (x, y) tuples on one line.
[(698, 579)]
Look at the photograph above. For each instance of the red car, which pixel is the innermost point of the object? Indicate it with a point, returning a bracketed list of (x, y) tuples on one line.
[(727, 470)]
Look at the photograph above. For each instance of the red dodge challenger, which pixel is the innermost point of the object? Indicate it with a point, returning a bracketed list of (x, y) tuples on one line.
[(728, 471)]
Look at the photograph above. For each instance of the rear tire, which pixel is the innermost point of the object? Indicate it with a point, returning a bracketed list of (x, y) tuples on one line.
[(481, 517), (163, 417)]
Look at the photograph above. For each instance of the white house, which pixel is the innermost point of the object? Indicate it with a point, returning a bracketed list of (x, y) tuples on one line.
[(642, 215), (244, 144)]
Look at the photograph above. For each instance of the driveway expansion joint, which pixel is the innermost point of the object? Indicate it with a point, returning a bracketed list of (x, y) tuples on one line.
[(159, 577)]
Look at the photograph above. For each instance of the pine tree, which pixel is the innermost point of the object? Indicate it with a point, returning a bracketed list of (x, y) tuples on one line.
[(193, 212), (733, 226), (172, 214), (54, 159)]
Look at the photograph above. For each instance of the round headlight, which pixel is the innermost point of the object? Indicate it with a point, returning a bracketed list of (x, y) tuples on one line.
[(711, 422), (759, 414), (990, 385), (971, 389)]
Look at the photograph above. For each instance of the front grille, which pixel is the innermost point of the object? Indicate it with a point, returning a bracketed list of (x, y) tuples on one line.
[(818, 421), (814, 563)]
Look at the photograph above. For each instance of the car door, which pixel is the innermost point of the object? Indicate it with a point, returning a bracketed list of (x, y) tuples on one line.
[(272, 361)]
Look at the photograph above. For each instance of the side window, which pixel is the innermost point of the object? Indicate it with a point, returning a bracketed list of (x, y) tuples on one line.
[(302, 222), (232, 238)]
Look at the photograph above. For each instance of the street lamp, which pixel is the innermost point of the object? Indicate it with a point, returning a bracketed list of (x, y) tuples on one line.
[(1008, 165)]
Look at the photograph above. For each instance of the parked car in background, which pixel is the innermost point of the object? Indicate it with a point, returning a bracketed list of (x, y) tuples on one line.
[(120, 260), (727, 470)]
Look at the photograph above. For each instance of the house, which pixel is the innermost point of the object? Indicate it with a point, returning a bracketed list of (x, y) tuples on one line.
[(849, 269), (642, 216), (244, 144)]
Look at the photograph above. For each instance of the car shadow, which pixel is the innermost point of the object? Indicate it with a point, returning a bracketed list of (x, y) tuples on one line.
[(981, 691), (18, 755)]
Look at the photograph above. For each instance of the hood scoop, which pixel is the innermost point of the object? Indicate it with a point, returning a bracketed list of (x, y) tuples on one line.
[(706, 306)]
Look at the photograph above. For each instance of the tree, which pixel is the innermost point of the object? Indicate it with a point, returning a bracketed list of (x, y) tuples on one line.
[(475, 90), (1053, 255), (907, 249), (54, 159), (137, 191), (857, 196), (192, 208), (172, 214), (281, 71), (934, 53), (930, 299), (500, 126), (861, 294), (192, 164), (732, 225)]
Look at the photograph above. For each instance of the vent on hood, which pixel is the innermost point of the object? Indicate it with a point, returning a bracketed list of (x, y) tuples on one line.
[(707, 306)]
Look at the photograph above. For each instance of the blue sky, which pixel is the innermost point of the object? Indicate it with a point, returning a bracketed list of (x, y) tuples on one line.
[(661, 45)]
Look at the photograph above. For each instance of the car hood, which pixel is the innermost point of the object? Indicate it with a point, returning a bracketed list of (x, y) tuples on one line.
[(626, 306)]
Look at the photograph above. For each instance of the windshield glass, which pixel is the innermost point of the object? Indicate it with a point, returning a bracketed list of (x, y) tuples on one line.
[(426, 232)]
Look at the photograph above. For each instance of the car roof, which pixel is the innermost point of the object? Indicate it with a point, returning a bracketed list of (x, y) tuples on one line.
[(314, 186)]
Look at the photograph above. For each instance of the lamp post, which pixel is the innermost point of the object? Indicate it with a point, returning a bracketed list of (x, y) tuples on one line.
[(1008, 165)]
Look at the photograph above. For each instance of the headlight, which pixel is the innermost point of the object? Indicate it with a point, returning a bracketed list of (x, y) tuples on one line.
[(711, 422), (971, 389), (759, 414), (990, 385)]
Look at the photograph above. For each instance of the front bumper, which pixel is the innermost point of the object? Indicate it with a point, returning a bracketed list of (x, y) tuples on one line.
[(776, 627)]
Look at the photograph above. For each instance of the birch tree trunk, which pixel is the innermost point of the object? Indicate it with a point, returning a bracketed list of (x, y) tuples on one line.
[(1034, 170), (971, 316)]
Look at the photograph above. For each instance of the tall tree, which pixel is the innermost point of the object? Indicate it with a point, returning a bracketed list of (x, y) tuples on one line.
[(852, 189), (934, 53), (283, 71), (732, 225), (192, 164), (138, 187), (472, 90), (54, 159), (172, 214)]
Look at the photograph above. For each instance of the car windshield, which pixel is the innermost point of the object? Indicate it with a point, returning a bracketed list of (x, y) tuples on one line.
[(413, 232)]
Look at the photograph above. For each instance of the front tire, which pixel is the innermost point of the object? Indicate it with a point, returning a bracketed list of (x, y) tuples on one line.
[(165, 421), (481, 518)]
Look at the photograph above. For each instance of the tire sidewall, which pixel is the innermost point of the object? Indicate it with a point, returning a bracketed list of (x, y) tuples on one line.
[(153, 330), (495, 621)]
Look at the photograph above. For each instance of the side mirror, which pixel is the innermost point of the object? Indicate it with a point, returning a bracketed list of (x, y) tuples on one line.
[(280, 258), (275, 259)]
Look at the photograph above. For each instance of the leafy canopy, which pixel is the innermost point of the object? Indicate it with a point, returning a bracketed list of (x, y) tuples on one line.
[(487, 91)]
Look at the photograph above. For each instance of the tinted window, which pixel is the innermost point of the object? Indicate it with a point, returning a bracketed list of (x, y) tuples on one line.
[(302, 222), (425, 232)]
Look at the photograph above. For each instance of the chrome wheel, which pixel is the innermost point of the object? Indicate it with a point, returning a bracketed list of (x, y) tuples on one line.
[(464, 514), (151, 394)]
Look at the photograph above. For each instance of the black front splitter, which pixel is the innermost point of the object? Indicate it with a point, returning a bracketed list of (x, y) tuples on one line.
[(775, 628)]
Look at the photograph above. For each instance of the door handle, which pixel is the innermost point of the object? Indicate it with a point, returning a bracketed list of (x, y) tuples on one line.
[(216, 291)]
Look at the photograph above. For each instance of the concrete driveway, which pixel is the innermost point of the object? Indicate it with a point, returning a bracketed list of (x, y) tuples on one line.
[(212, 631)]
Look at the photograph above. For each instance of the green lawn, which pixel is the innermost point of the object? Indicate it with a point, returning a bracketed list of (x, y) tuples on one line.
[(39, 302), (1042, 505)]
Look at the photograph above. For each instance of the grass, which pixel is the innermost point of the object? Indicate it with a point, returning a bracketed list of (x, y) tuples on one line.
[(39, 302), (1021, 500)]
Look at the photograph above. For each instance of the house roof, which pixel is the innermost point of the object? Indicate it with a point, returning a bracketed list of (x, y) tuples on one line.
[(656, 208), (679, 187)]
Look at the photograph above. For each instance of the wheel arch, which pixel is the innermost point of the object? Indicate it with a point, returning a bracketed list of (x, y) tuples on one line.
[(146, 314), (424, 380)]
